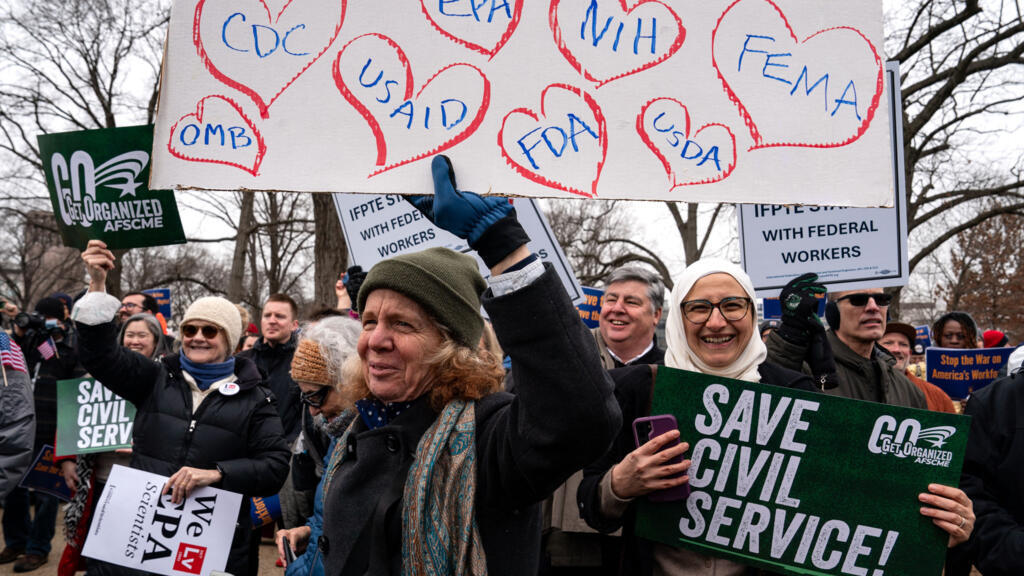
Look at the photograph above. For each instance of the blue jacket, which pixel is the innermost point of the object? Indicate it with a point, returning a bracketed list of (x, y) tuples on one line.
[(309, 563)]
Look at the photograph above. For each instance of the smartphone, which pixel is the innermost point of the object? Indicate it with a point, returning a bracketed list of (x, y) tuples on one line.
[(648, 427), (289, 554)]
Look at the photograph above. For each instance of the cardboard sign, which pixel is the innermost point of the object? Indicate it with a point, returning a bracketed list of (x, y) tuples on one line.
[(91, 418), (134, 526), (98, 185), (848, 248), (163, 299), (717, 101), (590, 307), (958, 372), (377, 227), (45, 476), (804, 483)]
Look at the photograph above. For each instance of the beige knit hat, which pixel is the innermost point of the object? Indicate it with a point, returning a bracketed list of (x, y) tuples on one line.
[(308, 364), (219, 312)]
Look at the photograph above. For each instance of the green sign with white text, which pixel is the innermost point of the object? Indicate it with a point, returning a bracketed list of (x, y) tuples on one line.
[(804, 483), (91, 418), (98, 185)]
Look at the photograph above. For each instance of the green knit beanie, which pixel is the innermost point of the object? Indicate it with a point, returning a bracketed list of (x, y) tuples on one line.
[(443, 282)]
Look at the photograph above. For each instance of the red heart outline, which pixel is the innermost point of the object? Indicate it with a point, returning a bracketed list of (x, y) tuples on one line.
[(664, 160), (371, 120), (489, 52), (567, 53), (264, 107), (261, 147), (745, 114), (531, 175)]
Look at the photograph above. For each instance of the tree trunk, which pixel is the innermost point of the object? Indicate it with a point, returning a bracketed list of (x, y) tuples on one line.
[(330, 254), (245, 217)]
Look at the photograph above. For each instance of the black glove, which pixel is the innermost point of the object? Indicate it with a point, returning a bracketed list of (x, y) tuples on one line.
[(488, 223), (354, 277), (800, 309), (822, 362)]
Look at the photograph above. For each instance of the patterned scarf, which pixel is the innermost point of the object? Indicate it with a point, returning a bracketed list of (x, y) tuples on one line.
[(439, 530)]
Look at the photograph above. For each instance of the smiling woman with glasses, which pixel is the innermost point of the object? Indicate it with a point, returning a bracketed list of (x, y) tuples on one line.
[(202, 418)]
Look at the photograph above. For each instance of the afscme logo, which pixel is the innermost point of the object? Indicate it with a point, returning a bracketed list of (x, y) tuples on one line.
[(901, 439)]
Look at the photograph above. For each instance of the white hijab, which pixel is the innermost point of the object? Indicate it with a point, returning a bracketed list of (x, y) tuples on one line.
[(680, 355)]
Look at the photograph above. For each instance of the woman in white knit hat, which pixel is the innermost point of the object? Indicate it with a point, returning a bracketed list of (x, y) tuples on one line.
[(202, 418)]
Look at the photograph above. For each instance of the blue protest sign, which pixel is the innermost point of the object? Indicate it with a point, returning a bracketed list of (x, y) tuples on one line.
[(959, 372), (590, 307), (924, 336), (44, 476), (163, 299)]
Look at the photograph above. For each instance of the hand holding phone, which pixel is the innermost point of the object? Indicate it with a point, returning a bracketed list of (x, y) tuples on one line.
[(653, 467)]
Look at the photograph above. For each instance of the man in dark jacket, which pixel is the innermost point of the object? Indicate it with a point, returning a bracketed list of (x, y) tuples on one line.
[(273, 353), (993, 468)]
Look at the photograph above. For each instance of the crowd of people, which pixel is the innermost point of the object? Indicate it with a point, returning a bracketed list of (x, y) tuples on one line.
[(404, 433)]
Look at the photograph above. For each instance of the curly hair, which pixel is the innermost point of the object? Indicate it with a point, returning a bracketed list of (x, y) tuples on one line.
[(965, 320), (456, 372)]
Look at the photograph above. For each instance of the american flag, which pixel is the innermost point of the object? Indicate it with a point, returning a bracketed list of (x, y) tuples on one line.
[(10, 354), (47, 349)]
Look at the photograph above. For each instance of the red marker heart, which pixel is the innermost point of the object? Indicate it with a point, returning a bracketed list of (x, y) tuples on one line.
[(819, 92), (219, 133), (374, 75), (552, 154), (247, 47), (483, 28), (611, 41), (706, 156)]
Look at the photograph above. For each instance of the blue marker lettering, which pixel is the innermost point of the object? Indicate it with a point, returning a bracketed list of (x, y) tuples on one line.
[(655, 124), (768, 62), (284, 42), (558, 153), (426, 119), (842, 100), (440, 7), (224, 31), (496, 7), (639, 35), (387, 91), (686, 147), (256, 39), (405, 108), (573, 121), (591, 16), (676, 135), (808, 90), (444, 112), (618, 36), (714, 152), (181, 135), (375, 80), (236, 134), (739, 65), (214, 129), (527, 150)]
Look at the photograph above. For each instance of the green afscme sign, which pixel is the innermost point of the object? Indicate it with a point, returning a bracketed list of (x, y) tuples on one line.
[(804, 483), (91, 418), (98, 182)]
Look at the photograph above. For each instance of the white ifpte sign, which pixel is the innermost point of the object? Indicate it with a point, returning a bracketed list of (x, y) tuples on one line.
[(134, 526), (722, 100), (849, 248), (380, 226)]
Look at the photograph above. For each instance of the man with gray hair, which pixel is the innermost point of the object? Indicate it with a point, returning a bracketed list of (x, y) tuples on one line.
[(630, 310)]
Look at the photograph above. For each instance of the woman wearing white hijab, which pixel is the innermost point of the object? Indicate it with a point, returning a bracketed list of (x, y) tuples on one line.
[(712, 329)]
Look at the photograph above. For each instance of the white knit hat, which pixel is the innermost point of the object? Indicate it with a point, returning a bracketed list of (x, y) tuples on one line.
[(219, 312)]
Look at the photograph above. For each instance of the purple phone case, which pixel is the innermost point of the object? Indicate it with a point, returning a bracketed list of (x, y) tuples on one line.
[(660, 424)]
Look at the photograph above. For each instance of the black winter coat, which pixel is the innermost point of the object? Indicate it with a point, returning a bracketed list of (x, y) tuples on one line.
[(992, 473), (562, 417), (634, 386), (275, 363), (240, 434)]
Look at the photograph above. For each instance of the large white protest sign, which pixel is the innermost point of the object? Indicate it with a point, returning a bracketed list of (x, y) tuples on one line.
[(849, 248), (381, 226), (134, 526), (724, 100)]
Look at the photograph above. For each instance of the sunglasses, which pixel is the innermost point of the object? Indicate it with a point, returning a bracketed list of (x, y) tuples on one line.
[(315, 399), (861, 298), (190, 330)]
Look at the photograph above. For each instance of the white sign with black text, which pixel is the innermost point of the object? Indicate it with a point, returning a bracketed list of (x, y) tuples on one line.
[(134, 526), (378, 226), (849, 248)]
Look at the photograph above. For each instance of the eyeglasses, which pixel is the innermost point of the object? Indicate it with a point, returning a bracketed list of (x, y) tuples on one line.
[(315, 399), (130, 305), (733, 308), (209, 332), (861, 298)]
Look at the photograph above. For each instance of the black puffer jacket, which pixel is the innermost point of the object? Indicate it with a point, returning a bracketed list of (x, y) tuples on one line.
[(240, 434), (275, 363)]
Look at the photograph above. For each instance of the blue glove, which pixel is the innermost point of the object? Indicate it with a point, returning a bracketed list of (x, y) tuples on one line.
[(488, 223)]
